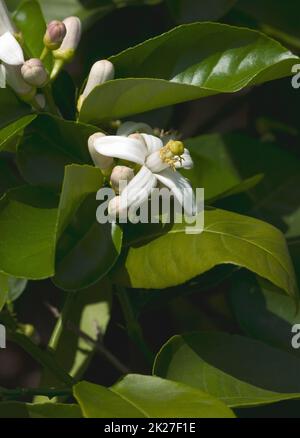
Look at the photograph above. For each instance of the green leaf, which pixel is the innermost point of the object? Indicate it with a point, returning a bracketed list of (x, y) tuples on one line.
[(187, 11), (87, 311), (30, 21), (31, 222), (262, 312), (224, 161), (227, 238), (9, 175), (180, 65), (27, 228), (51, 144), (236, 370), (14, 108), (39, 410), (84, 235), (4, 287), (138, 396), (14, 129), (16, 288), (86, 243)]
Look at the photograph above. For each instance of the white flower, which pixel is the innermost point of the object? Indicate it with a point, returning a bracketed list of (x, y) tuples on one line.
[(157, 164), (11, 54), (6, 24)]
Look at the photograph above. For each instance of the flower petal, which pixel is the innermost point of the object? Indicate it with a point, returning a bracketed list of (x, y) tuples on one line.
[(139, 188), (187, 162), (180, 187), (10, 50), (155, 163), (153, 143), (99, 160), (122, 147)]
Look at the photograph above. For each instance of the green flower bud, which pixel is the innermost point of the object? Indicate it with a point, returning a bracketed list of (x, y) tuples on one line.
[(34, 73)]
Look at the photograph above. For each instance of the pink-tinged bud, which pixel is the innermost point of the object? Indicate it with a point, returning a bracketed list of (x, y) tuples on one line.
[(34, 73), (55, 34), (120, 176), (70, 41), (101, 71)]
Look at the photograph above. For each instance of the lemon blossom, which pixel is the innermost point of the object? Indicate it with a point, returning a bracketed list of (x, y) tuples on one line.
[(156, 163), (11, 55)]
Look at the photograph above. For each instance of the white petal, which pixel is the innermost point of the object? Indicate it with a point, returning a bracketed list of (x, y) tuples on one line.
[(10, 50), (139, 188), (155, 163), (15, 79), (153, 143), (128, 128), (6, 24), (99, 160), (121, 147), (180, 187), (187, 162)]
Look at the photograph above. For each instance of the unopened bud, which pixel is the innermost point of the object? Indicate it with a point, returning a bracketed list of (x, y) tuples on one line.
[(104, 163), (55, 34), (101, 72), (119, 176), (71, 39), (34, 73), (15, 80)]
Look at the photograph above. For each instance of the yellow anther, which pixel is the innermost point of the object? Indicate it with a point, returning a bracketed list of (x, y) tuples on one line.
[(171, 153)]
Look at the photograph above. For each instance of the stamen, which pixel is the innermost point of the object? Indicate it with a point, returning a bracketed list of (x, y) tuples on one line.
[(171, 153)]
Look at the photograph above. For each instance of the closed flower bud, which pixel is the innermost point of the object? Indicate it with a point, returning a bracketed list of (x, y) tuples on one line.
[(55, 34), (101, 72), (15, 80), (119, 176), (71, 39), (34, 72), (104, 163)]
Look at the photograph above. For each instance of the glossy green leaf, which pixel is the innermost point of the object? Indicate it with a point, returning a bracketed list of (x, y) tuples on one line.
[(49, 145), (89, 312), (9, 132), (262, 312), (236, 370), (39, 410), (31, 222), (85, 242), (14, 108), (138, 396), (190, 69), (227, 238), (30, 21), (27, 229)]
